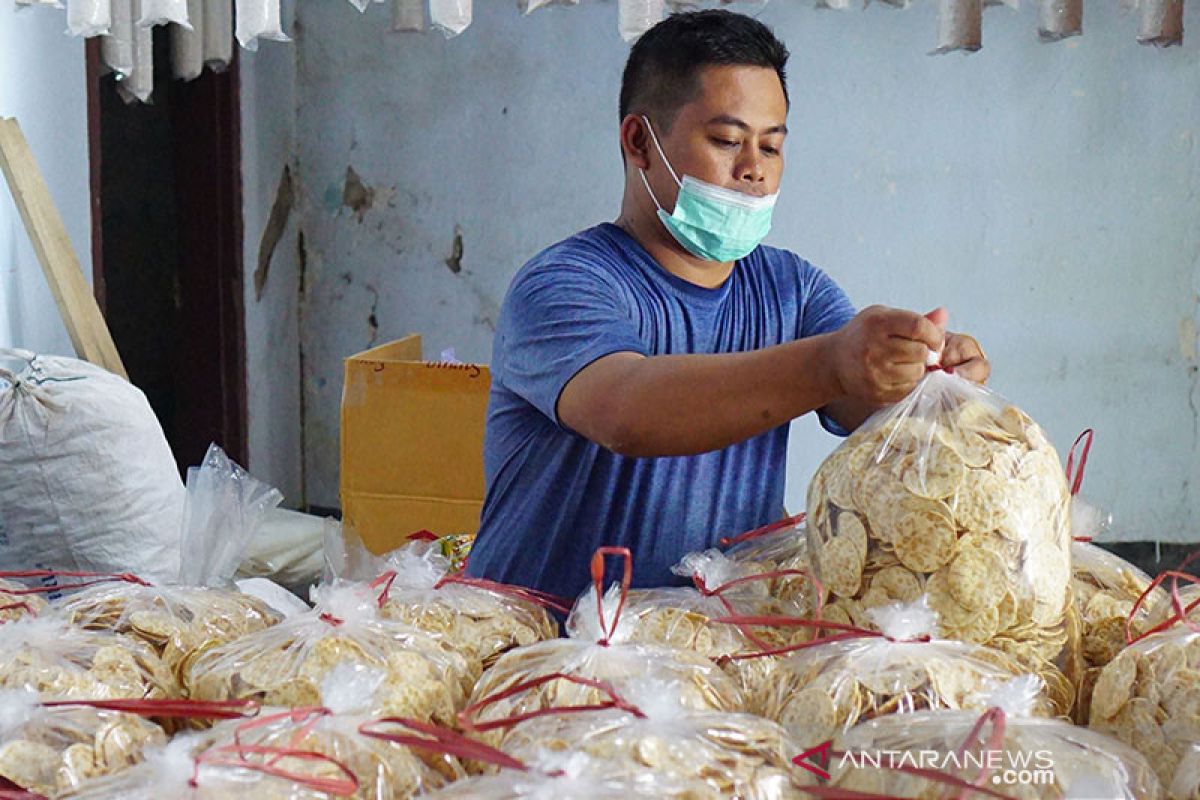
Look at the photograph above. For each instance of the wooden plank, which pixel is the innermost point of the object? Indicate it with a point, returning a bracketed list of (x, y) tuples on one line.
[(80, 312)]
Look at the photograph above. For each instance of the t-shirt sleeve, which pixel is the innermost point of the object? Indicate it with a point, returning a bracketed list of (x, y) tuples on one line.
[(556, 320), (825, 308)]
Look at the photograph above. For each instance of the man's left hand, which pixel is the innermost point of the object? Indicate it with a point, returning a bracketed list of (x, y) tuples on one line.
[(964, 355)]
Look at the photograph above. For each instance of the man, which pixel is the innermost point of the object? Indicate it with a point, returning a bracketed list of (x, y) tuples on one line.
[(645, 372)]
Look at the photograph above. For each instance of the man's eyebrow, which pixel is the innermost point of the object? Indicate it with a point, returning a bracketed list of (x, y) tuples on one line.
[(726, 119)]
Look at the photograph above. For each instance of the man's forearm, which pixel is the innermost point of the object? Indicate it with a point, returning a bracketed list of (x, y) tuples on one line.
[(689, 404)]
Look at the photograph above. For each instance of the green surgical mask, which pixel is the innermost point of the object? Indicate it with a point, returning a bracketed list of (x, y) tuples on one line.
[(712, 222)]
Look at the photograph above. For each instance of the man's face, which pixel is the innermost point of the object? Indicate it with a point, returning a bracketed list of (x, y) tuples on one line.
[(730, 135)]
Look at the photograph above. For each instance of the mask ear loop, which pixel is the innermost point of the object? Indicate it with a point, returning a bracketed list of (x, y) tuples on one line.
[(663, 156)]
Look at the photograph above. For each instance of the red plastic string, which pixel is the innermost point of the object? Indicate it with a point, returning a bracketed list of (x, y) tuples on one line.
[(100, 577), (440, 740), (848, 632), (466, 717), (385, 580), (422, 536), (535, 596), (1075, 479), (331, 619), (598, 584), (19, 604), (344, 786), (778, 525), (306, 717), (719, 591), (179, 709), (1181, 611)]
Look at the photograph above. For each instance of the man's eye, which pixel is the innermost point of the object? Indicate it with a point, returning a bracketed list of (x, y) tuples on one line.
[(724, 142), (771, 151)]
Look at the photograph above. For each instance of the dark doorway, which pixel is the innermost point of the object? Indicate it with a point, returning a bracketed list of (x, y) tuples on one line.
[(167, 247)]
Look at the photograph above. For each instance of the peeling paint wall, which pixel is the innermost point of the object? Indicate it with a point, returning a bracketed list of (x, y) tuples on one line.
[(37, 61), (272, 265), (1045, 194)]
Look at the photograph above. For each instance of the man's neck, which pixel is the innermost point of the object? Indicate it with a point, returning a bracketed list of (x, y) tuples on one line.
[(670, 255)]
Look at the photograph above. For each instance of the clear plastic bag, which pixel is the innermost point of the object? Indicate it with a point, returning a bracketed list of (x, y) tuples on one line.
[(960, 26), (676, 617), (1148, 696), (162, 12), (190, 768), (1017, 757), (600, 649), (956, 494), (530, 6), (482, 618), (776, 581), (16, 602), (49, 750), (451, 17), (223, 510), (830, 686), (635, 17), (384, 770), (89, 17), (1104, 588), (573, 776), (258, 19), (59, 661), (414, 674), (736, 755)]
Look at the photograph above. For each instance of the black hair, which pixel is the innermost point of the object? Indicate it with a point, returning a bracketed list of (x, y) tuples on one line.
[(663, 70)]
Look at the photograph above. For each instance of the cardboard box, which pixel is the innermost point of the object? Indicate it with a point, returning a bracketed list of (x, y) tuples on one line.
[(412, 444)]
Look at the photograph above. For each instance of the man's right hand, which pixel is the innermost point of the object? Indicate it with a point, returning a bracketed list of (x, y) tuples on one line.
[(880, 356)]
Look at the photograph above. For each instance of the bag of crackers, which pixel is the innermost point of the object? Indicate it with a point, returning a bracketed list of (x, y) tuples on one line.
[(854, 674), (62, 662), (418, 674), (481, 617), (50, 747), (600, 652), (223, 509), (570, 776), (191, 767), (1001, 752), (383, 768), (734, 754), (1148, 695), (957, 494)]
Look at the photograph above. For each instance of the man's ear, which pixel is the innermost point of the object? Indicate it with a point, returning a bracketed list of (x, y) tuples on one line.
[(635, 141)]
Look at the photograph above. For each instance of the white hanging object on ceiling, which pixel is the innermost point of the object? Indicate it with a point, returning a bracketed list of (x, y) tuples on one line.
[(89, 17), (1059, 19), (259, 19), (26, 3), (138, 84), (162, 12), (116, 47), (635, 17), (218, 34), (451, 17), (960, 26), (408, 15), (361, 5), (530, 6), (187, 44), (1160, 22), (834, 5)]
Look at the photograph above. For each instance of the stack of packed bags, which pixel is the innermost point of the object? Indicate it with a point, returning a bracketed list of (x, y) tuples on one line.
[(932, 601)]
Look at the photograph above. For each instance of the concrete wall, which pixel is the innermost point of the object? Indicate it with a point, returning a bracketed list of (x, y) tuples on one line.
[(1046, 194), (43, 83), (268, 99)]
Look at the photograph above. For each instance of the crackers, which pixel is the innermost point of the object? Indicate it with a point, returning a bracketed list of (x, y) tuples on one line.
[(960, 496)]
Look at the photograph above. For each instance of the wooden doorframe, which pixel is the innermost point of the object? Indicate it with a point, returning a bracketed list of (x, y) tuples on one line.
[(205, 151)]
